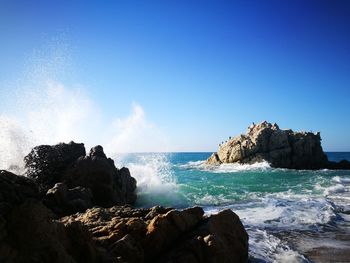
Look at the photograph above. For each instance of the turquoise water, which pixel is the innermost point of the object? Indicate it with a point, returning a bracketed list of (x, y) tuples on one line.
[(269, 201)]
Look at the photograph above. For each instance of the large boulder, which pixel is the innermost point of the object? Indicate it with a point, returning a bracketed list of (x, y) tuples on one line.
[(166, 235), (280, 148), (72, 182), (46, 164)]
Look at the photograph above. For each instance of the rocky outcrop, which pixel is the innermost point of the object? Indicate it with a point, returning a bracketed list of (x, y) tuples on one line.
[(46, 164), (73, 182), (32, 228), (30, 232), (165, 235), (281, 148), (109, 185)]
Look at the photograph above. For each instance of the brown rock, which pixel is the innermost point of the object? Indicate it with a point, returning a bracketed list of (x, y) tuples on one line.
[(133, 235), (280, 148)]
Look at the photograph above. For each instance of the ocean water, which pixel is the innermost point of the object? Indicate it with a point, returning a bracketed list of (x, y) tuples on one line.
[(276, 206)]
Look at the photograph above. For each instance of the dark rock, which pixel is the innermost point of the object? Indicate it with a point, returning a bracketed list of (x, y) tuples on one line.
[(280, 148), (46, 164), (97, 151), (342, 165), (28, 232), (15, 190), (62, 200), (109, 185), (33, 236), (72, 182)]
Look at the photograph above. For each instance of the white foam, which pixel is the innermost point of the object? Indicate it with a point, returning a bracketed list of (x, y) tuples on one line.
[(282, 211), (208, 199), (342, 180), (226, 168), (152, 171), (14, 145), (41, 108), (266, 247), (338, 188)]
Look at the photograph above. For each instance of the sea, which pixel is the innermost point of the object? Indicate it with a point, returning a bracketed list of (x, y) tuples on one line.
[(290, 215)]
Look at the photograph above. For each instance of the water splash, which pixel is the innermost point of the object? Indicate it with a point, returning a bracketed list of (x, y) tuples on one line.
[(155, 178), (44, 107)]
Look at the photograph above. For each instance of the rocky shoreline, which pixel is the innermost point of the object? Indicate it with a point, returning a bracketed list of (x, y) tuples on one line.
[(280, 148), (73, 207)]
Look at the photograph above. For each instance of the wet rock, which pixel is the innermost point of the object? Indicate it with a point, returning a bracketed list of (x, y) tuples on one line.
[(46, 164)]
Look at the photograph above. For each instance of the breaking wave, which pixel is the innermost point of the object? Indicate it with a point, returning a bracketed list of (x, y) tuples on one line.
[(226, 168)]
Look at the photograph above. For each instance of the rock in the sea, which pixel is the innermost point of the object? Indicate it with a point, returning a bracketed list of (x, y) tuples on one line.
[(280, 148)]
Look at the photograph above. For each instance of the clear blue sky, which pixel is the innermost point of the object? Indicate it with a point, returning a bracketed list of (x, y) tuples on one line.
[(201, 70)]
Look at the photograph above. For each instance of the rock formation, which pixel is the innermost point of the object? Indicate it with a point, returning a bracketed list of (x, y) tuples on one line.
[(32, 228), (46, 164), (281, 148), (73, 182), (165, 235)]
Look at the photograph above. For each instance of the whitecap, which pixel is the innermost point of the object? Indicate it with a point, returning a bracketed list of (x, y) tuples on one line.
[(227, 167), (268, 248), (342, 180)]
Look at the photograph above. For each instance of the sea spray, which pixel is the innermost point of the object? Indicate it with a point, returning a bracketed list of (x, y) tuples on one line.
[(155, 178), (45, 105)]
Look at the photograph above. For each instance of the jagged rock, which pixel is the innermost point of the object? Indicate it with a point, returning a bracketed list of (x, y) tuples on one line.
[(46, 164), (30, 233), (166, 235), (72, 182), (109, 185), (281, 148)]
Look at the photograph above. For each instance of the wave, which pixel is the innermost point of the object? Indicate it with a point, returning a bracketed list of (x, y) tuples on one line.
[(342, 180), (264, 247), (226, 168), (156, 183), (274, 212)]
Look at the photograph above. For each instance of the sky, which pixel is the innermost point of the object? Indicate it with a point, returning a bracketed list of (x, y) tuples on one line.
[(175, 75)]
